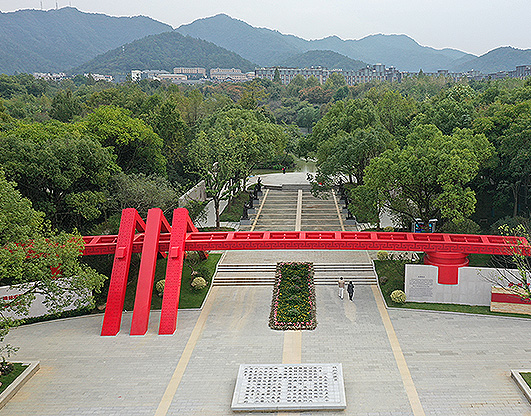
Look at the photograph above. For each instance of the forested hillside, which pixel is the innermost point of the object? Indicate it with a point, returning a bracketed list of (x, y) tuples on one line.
[(165, 51), (499, 59), (58, 40), (326, 59), (269, 47)]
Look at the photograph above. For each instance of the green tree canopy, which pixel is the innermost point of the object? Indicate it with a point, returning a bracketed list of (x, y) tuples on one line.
[(63, 173), (428, 177), (346, 139), (137, 147), (29, 252)]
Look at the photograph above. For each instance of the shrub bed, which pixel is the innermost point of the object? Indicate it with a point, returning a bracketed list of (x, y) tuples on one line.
[(293, 304)]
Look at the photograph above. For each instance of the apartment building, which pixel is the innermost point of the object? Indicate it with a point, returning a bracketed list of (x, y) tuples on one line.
[(191, 73)]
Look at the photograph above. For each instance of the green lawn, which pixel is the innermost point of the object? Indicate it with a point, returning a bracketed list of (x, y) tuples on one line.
[(189, 298), (527, 378), (392, 273), (234, 210), (9, 378)]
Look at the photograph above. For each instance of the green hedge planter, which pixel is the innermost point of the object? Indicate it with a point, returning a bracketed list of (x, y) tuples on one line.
[(293, 304)]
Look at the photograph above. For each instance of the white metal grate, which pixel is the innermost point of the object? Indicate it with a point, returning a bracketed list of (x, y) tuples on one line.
[(270, 387)]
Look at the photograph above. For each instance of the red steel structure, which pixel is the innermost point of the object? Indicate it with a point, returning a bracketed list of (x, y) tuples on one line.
[(155, 237)]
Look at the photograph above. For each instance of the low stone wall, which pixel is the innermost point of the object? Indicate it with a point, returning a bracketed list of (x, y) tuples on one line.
[(474, 287), (506, 300), (197, 193), (37, 308)]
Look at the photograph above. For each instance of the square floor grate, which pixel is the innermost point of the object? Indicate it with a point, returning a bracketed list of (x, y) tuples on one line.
[(273, 387)]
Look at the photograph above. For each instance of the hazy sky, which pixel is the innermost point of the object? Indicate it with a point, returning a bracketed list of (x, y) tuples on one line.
[(474, 26)]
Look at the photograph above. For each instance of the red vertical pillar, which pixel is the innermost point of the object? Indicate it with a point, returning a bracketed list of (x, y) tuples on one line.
[(448, 264), (146, 275), (174, 270), (120, 270)]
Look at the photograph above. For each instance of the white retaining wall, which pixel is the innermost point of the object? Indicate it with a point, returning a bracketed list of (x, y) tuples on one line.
[(197, 193), (474, 287), (37, 308)]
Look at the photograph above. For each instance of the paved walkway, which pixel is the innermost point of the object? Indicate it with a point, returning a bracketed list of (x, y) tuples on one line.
[(459, 363)]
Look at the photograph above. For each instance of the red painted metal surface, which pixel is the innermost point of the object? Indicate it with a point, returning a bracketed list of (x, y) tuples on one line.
[(509, 298), (324, 240), (144, 289), (172, 287), (448, 264), (130, 222), (446, 251)]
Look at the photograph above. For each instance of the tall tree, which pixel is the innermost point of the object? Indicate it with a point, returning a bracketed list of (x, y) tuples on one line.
[(137, 147), (428, 178), (28, 254), (63, 173), (346, 139)]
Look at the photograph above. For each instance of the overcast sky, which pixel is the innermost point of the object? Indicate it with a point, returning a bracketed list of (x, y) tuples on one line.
[(474, 26)]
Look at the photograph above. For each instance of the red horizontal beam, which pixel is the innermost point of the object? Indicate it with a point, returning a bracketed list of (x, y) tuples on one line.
[(323, 240)]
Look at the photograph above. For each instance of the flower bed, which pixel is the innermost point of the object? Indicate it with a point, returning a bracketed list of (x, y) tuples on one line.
[(293, 304)]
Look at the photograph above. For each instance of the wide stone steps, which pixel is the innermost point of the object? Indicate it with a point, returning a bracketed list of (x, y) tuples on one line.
[(264, 274)]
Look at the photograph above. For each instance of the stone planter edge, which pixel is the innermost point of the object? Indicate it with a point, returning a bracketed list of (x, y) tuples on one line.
[(517, 377), (17, 384)]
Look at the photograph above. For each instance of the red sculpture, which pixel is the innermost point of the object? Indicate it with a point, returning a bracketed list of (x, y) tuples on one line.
[(446, 251)]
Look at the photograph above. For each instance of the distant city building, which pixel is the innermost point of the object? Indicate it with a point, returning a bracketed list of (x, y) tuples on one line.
[(174, 78), (370, 73), (230, 75), (50, 77), (137, 75), (521, 71), (455, 76), (287, 74), (191, 73), (99, 77)]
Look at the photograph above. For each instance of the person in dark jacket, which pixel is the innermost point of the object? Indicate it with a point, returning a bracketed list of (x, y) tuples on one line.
[(350, 290)]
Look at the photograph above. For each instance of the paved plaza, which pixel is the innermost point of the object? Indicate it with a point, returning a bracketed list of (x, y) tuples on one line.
[(459, 363), (395, 362)]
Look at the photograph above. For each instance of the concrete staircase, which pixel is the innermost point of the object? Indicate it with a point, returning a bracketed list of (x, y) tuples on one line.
[(264, 274), (318, 214), (279, 211)]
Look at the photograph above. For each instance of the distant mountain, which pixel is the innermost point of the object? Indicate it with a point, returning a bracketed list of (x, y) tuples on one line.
[(57, 40), (263, 46), (268, 47), (164, 51), (326, 59), (500, 59)]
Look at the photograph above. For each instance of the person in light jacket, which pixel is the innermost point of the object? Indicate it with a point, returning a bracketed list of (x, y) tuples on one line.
[(341, 287)]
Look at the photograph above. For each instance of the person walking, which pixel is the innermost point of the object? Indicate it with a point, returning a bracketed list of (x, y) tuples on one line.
[(341, 287), (350, 290)]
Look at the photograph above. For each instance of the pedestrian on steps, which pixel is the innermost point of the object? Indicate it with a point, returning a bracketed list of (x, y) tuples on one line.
[(341, 287), (350, 290)]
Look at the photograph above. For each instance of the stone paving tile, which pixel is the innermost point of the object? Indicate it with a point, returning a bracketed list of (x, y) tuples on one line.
[(461, 363), (83, 373), (237, 332)]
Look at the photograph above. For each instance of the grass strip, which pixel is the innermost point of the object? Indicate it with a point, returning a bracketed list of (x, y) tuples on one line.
[(234, 209), (293, 303), (7, 379), (527, 378), (189, 297)]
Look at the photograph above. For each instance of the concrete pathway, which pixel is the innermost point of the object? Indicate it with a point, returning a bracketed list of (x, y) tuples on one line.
[(459, 363)]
